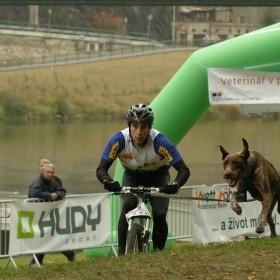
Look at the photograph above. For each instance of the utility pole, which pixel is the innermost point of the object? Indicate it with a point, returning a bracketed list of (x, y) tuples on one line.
[(33, 15), (49, 22), (173, 27), (125, 24), (150, 17)]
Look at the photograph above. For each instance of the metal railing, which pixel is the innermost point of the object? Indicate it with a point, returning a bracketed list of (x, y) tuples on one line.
[(126, 47), (74, 30), (178, 218), (90, 56), (4, 227)]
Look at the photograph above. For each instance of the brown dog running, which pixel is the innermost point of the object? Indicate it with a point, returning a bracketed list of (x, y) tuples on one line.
[(250, 171)]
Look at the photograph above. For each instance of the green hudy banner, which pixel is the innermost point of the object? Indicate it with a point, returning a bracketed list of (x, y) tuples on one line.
[(73, 223)]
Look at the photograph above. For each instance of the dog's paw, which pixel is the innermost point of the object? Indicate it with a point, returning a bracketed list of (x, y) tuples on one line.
[(261, 224), (234, 205), (259, 230), (237, 209)]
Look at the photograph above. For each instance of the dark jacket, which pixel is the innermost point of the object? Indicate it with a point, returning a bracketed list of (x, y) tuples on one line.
[(42, 188), (57, 180)]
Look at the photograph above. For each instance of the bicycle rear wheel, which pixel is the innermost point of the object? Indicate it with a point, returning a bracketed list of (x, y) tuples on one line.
[(134, 239)]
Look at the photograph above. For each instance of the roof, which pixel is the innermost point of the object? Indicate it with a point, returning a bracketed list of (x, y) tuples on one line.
[(189, 9)]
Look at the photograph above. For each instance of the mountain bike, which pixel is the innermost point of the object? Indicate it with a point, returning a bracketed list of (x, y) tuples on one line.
[(137, 238)]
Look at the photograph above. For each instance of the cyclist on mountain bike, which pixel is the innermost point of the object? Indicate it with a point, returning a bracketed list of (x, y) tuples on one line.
[(146, 156)]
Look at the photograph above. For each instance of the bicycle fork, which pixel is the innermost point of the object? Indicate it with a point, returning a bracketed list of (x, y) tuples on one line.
[(145, 223), (143, 217)]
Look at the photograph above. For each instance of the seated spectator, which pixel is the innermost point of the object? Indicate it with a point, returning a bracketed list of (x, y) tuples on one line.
[(45, 187)]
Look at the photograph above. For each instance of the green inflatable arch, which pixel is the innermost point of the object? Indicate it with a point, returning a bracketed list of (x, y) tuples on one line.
[(184, 99)]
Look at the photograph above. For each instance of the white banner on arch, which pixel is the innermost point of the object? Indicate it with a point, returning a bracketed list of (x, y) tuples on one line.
[(231, 86)]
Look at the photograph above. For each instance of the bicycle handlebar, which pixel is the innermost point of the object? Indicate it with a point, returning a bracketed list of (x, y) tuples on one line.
[(139, 189)]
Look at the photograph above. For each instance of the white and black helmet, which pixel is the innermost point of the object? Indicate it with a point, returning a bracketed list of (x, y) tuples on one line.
[(140, 113)]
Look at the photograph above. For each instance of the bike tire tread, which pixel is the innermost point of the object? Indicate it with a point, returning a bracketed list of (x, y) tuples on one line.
[(134, 240)]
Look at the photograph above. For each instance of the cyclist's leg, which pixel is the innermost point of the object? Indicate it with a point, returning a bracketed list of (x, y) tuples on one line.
[(70, 255), (159, 212), (122, 230), (160, 228), (128, 203), (39, 257)]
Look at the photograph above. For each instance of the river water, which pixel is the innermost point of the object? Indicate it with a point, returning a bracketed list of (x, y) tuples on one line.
[(75, 149)]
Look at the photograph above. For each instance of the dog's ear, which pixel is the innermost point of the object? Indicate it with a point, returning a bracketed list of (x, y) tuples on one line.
[(223, 151), (245, 151)]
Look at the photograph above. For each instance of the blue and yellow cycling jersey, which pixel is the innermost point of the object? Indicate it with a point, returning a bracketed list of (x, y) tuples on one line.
[(158, 153)]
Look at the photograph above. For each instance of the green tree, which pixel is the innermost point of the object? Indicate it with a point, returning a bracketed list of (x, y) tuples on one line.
[(269, 16)]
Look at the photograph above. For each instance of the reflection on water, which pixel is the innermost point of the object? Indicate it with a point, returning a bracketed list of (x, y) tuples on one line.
[(75, 150)]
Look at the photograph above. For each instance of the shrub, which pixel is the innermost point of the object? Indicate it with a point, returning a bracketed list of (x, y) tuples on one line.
[(60, 105), (14, 108)]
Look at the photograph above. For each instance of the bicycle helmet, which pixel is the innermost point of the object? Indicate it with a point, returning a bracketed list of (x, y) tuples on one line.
[(140, 113)]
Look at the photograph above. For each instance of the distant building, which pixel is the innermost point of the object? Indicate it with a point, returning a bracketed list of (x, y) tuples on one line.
[(200, 26)]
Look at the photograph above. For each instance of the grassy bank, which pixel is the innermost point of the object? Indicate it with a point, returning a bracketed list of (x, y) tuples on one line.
[(92, 91), (254, 259), (89, 90)]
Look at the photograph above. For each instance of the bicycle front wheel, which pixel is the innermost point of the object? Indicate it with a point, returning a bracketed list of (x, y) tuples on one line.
[(134, 239)]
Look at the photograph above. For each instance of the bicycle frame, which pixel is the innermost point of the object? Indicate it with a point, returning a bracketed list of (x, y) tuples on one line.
[(138, 220), (143, 216)]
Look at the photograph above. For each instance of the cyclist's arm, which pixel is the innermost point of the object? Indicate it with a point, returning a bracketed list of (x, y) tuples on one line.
[(109, 155), (183, 172), (167, 150), (102, 170)]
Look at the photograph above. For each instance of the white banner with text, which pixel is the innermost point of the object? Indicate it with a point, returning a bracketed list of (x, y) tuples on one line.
[(231, 86), (73, 223), (215, 221)]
